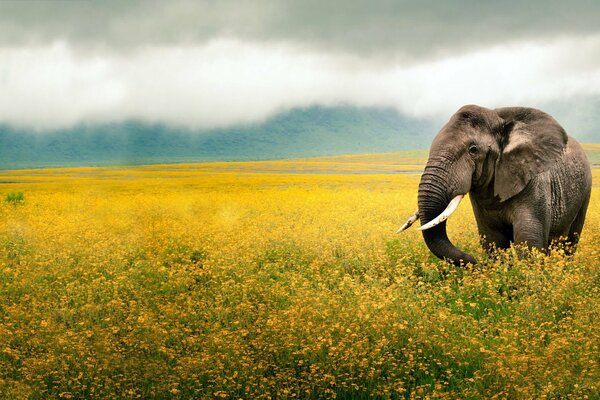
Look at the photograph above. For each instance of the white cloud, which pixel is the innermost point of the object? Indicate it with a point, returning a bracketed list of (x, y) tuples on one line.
[(230, 81), (48, 86)]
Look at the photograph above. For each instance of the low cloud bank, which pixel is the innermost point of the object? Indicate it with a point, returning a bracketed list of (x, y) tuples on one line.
[(229, 81)]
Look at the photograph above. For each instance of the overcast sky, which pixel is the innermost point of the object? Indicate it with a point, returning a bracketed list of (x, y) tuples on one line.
[(216, 63)]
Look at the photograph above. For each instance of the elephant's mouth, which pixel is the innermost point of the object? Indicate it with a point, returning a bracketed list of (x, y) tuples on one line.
[(452, 206), (434, 233)]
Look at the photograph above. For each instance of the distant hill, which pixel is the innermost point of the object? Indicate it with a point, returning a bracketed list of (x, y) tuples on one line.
[(301, 132)]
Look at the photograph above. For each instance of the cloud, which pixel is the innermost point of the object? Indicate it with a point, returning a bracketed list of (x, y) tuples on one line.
[(227, 81), (49, 87), (386, 30), (208, 63)]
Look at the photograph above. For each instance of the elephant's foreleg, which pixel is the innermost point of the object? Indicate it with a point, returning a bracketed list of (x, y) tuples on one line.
[(494, 239), (530, 230)]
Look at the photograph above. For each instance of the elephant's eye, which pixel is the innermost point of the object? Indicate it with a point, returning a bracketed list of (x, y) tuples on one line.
[(473, 149)]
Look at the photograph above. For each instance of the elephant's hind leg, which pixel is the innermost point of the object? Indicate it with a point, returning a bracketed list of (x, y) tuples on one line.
[(577, 227)]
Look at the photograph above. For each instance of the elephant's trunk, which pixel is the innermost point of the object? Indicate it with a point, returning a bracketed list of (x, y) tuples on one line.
[(434, 197)]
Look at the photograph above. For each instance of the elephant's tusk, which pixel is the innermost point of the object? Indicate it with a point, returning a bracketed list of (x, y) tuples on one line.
[(409, 222), (452, 206)]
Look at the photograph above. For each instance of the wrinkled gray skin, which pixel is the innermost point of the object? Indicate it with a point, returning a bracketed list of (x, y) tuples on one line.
[(527, 180)]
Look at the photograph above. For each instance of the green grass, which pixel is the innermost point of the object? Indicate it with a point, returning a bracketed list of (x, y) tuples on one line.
[(14, 197)]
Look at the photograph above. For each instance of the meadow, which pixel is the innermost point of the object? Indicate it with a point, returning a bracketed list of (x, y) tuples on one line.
[(278, 279)]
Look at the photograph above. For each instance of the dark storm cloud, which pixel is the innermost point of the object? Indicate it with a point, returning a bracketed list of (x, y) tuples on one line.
[(401, 28), (217, 63)]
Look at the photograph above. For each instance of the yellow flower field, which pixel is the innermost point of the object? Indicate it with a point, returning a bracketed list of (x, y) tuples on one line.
[(279, 279)]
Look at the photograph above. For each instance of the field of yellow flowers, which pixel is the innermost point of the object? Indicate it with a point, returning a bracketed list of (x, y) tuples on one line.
[(279, 279)]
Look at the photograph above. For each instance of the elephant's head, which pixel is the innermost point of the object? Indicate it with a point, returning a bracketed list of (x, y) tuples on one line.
[(491, 153)]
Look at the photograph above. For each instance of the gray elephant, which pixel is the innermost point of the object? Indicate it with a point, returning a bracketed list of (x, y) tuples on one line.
[(528, 181)]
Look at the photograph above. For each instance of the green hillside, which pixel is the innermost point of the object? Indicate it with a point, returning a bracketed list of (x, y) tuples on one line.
[(306, 132), (298, 133)]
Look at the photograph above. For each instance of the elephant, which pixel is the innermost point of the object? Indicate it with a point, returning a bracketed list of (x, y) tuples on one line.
[(528, 181)]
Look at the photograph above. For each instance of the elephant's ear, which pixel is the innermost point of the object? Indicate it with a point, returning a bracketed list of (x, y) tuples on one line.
[(528, 147)]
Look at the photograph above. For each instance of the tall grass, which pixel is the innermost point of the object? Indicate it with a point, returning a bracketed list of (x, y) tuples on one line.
[(186, 282)]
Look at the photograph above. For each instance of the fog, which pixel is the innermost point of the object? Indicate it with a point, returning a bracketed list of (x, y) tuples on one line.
[(227, 81)]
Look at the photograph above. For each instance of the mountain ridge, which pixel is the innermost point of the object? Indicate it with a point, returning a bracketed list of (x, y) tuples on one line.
[(300, 132), (297, 133)]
